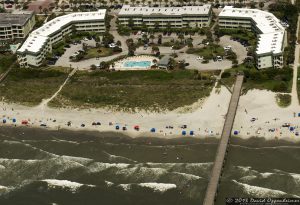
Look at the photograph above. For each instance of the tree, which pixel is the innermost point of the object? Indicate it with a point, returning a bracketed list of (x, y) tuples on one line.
[(93, 67), (104, 65), (118, 43), (40, 8), (217, 40), (261, 5), (159, 40), (45, 10), (130, 23), (152, 37), (181, 37)]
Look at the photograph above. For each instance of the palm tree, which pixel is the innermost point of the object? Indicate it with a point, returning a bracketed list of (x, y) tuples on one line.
[(149, 3), (166, 2), (160, 2), (122, 2), (181, 37), (40, 8), (143, 1), (45, 10), (152, 37)]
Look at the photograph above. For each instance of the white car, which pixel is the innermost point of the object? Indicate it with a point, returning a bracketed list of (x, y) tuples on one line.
[(85, 39), (112, 45), (227, 48), (200, 58), (219, 58)]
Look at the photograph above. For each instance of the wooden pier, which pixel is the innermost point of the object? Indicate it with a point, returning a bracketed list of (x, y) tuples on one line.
[(212, 188)]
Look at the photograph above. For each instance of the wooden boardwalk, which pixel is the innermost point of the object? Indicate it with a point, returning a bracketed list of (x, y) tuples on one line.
[(212, 189)]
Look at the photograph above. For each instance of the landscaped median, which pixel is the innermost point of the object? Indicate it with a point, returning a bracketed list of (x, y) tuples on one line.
[(153, 90), (30, 86)]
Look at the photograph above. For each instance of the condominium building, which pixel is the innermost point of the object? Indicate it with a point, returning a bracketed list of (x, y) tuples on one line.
[(270, 32), (39, 43), (164, 17), (16, 26)]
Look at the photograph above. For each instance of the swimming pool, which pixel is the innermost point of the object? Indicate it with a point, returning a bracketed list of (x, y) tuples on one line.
[(138, 64)]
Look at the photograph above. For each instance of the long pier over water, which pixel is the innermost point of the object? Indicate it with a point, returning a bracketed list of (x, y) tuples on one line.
[(212, 189)]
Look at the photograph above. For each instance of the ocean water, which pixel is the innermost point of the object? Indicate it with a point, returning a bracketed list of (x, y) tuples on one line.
[(39, 166), (259, 168)]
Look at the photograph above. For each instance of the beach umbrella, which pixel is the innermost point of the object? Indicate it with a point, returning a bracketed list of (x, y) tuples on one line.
[(192, 132), (299, 114), (292, 129), (117, 127), (236, 132), (152, 130), (24, 122), (136, 127), (4, 121), (14, 120), (183, 132)]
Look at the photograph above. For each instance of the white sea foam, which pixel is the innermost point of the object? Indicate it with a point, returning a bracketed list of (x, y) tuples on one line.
[(142, 173), (266, 174), (188, 176), (112, 157), (72, 186), (158, 187), (100, 166), (108, 183), (125, 187), (258, 192)]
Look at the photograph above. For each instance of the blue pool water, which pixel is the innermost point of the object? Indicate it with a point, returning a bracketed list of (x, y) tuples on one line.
[(140, 64)]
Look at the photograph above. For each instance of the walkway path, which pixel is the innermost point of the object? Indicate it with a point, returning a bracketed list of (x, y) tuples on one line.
[(45, 102), (3, 75), (295, 100), (213, 184)]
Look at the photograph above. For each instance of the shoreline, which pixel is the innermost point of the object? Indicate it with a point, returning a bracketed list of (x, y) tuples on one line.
[(204, 118)]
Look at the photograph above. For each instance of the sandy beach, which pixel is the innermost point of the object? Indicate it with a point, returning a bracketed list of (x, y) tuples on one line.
[(257, 115), (269, 117), (204, 118)]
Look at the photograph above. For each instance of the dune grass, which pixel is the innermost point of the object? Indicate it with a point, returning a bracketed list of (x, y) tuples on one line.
[(153, 90), (30, 86)]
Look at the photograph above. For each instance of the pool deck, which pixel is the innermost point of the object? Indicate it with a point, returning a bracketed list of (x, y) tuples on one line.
[(119, 65)]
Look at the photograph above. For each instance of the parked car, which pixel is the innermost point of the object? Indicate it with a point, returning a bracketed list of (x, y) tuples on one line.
[(219, 58), (112, 45), (200, 58)]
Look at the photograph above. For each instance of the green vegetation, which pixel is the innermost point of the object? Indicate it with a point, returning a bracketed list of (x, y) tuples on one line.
[(30, 86), (154, 90), (6, 60), (287, 12), (276, 80), (208, 52), (98, 52), (283, 100), (239, 34)]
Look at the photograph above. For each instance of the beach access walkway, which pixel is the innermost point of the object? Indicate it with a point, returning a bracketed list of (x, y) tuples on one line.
[(212, 189)]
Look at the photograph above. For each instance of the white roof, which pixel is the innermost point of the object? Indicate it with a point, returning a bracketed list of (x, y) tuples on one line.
[(146, 10), (271, 30), (39, 37)]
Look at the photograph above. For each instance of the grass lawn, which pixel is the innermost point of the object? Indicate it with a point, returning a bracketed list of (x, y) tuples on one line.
[(30, 86), (98, 52), (153, 90), (207, 52), (6, 60), (276, 80)]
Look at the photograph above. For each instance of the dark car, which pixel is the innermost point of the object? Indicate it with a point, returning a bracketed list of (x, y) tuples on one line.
[(67, 46), (51, 62)]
